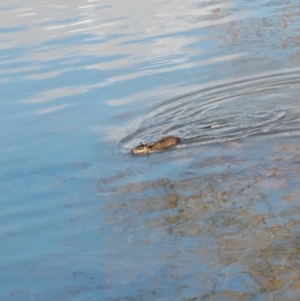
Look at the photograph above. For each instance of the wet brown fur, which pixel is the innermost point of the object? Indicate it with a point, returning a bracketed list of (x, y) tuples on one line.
[(165, 142)]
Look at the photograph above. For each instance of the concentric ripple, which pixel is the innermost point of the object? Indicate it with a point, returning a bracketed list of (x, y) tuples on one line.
[(253, 106)]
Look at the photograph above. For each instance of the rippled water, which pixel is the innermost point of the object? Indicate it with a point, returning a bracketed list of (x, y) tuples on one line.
[(215, 218), (222, 112)]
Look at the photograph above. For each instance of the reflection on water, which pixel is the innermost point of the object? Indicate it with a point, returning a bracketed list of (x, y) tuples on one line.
[(227, 111), (215, 218)]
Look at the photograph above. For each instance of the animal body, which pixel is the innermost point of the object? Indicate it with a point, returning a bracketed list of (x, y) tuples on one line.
[(164, 143)]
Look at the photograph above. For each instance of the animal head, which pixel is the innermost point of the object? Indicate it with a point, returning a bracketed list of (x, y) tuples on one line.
[(141, 149)]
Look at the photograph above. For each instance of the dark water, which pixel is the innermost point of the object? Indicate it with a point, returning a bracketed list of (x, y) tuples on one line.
[(217, 217)]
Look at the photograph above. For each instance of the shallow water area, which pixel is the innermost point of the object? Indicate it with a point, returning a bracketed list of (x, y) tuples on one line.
[(213, 218), (228, 219)]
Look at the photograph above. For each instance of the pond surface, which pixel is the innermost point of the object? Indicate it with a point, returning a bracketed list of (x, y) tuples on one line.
[(214, 218)]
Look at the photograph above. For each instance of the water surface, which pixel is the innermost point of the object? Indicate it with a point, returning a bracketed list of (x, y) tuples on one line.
[(217, 217)]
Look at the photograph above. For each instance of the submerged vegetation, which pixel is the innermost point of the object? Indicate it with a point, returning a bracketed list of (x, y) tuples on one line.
[(234, 230)]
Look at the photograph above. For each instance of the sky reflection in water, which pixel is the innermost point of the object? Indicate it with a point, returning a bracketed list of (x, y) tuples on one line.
[(215, 218)]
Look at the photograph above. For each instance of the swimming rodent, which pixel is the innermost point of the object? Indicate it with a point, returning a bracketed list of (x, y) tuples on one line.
[(164, 143)]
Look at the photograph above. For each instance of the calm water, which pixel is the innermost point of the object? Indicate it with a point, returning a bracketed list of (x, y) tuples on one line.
[(217, 217)]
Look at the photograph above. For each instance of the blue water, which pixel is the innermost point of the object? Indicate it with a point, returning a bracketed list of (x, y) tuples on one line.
[(217, 217)]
